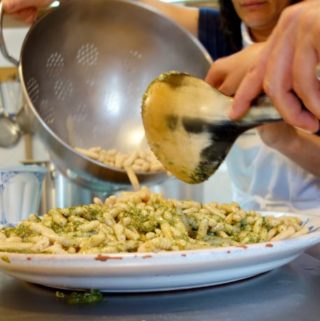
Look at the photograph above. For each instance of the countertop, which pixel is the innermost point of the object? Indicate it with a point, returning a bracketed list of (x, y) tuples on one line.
[(288, 293)]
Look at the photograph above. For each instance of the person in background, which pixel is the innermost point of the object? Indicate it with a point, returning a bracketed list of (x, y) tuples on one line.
[(262, 178), (289, 62)]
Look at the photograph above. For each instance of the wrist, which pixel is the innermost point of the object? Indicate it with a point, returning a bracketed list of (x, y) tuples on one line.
[(290, 144), (279, 136)]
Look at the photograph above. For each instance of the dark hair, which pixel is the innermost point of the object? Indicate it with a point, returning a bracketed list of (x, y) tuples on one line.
[(230, 22)]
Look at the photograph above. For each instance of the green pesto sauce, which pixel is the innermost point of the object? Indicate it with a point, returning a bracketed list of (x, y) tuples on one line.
[(20, 230), (200, 174), (143, 223), (87, 297), (5, 259)]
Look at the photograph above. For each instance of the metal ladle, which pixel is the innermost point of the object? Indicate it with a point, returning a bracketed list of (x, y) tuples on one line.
[(187, 125), (9, 130)]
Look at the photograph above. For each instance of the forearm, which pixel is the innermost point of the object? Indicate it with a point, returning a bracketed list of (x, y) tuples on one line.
[(304, 150), (186, 17)]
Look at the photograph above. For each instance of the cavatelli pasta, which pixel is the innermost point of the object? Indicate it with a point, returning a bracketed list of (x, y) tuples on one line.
[(144, 222)]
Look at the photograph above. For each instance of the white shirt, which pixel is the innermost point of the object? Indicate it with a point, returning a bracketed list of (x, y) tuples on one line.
[(264, 179)]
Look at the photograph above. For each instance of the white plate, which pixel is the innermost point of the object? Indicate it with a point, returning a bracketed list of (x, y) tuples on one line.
[(146, 272)]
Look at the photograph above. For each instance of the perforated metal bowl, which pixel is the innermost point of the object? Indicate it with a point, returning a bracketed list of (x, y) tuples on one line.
[(84, 68)]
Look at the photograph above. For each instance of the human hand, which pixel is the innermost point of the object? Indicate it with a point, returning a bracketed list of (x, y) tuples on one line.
[(25, 10), (277, 135), (286, 66), (226, 74)]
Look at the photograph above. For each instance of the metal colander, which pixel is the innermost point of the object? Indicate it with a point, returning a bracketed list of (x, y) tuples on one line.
[(84, 68)]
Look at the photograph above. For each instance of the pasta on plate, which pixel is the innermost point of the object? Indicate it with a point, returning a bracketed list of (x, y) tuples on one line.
[(144, 222)]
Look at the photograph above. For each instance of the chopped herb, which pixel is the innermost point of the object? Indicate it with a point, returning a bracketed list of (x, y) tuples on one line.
[(60, 295), (87, 297), (5, 259), (23, 231)]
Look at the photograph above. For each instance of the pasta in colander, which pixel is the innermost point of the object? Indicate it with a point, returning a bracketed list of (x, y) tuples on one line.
[(139, 161)]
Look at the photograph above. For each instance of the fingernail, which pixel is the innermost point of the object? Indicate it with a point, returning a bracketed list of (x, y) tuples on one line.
[(307, 131), (315, 130)]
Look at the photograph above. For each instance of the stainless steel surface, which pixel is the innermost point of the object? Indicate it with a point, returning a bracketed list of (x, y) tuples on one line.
[(9, 131), (3, 47), (63, 192), (84, 68), (58, 191), (290, 293), (187, 124), (10, 107), (66, 193)]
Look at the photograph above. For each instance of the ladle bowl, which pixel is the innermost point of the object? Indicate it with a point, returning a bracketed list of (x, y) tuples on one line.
[(187, 125)]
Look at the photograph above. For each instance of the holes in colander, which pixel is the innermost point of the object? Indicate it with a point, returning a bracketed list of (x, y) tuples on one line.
[(47, 112), (88, 54), (135, 54), (33, 89), (96, 133), (80, 112), (55, 64), (90, 82), (63, 89)]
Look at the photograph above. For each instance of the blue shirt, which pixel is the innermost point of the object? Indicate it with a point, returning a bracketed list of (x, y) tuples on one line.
[(211, 35)]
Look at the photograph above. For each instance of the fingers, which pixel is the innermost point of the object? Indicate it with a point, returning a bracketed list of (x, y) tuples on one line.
[(226, 74), (27, 15), (229, 85), (307, 56), (25, 10), (307, 87), (252, 83), (14, 6), (215, 75), (287, 73), (220, 77), (250, 88), (224, 80), (286, 68)]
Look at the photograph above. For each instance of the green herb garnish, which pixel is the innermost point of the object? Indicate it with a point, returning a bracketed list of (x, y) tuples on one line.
[(86, 297)]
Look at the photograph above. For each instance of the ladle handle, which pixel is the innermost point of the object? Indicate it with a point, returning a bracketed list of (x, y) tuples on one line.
[(3, 47), (9, 131), (263, 112)]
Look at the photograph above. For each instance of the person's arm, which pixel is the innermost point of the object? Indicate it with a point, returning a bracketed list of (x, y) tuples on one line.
[(300, 147), (287, 65), (187, 17)]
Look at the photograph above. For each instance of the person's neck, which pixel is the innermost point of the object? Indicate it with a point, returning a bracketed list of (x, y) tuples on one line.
[(260, 35)]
